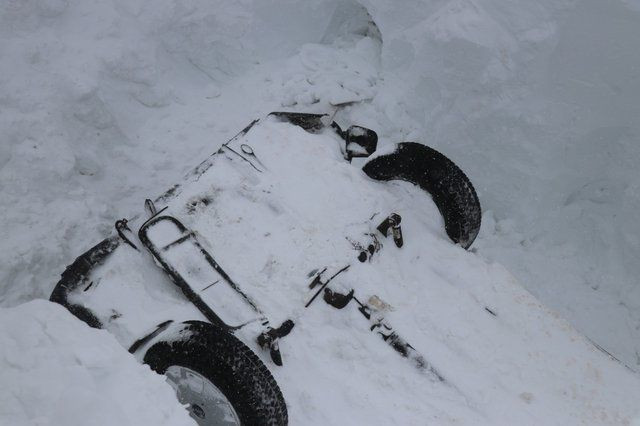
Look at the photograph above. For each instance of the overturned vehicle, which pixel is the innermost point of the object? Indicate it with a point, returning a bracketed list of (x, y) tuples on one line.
[(294, 202)]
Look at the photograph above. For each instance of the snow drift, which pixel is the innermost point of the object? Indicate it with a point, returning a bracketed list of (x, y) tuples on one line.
[(57, 370), (104, 103)]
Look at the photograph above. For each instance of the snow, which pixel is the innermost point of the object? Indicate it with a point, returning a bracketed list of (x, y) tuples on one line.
[(57, 370), (106, 103), (537, 102)]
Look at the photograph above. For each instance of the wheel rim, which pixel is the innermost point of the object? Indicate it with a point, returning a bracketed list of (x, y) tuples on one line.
[(207, 405)]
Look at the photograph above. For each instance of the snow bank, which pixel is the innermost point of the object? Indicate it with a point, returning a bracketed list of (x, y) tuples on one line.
[(106, 103), (58, 371), (538, 103)]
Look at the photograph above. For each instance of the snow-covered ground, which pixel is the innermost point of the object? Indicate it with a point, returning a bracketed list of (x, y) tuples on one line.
[(58, 371), (105, 103)]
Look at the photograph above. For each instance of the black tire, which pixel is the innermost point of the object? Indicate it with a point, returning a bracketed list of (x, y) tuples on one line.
[(229, 364), (450, 188), (77, 274)]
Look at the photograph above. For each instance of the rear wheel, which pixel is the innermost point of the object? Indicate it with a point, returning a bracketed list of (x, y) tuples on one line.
[(218, 377)]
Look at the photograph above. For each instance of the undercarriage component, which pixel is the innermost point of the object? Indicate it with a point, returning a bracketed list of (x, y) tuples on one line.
[(77, 274), (190, 266), (360, 142), (143, 340), (309, 122), (392, 223), (121, 227), (379, 326), (269, 340), (336, 299), (323, 284)]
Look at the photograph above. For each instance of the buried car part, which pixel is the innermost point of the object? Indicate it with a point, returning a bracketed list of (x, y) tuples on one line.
[(190, 266), (450, 188)]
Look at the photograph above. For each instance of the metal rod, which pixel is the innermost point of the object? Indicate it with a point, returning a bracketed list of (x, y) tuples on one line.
[(325, 284)]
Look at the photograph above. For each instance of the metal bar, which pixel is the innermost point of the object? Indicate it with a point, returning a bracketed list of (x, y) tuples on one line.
[(325, 284)]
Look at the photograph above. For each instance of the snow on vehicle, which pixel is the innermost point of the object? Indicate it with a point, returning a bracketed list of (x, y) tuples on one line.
[(284, 203)]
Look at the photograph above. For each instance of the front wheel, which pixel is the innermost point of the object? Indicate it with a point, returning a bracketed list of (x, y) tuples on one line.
[(218, 377), (450, 188)]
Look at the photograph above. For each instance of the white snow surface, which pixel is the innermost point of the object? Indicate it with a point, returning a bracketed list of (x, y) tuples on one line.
[(57, 370), (106, 103)]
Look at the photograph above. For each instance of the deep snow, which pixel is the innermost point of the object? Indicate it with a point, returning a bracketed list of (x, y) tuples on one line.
[(103, 104), (58, 371)]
